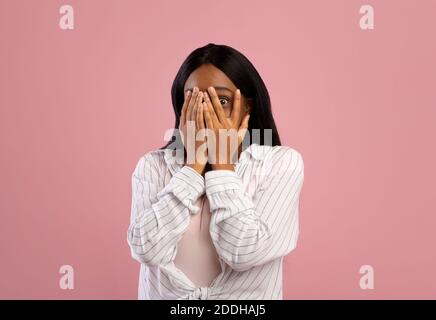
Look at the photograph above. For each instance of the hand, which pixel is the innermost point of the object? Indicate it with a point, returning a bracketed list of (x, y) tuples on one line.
[(191, 122), (233, 129)]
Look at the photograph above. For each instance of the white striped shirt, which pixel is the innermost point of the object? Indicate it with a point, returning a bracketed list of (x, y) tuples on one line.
[(251, 217)]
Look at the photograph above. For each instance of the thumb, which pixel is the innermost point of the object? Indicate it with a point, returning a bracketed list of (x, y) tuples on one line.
[(244, 123)]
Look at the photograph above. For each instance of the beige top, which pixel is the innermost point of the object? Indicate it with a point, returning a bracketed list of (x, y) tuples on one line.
[(196, 255)]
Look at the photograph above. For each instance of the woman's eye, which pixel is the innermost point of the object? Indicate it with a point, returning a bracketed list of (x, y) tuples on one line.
[(224, 101)]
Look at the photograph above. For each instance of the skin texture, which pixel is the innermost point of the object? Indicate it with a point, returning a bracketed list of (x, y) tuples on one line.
[(212, 101)]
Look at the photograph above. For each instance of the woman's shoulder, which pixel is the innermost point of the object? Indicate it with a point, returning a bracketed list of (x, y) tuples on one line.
[(276, 154), (276, 162), (150, 163)]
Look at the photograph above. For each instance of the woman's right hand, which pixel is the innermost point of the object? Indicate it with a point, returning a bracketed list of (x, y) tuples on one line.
[(191, 121)]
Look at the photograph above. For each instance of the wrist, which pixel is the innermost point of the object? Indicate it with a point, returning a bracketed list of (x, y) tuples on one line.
[(197, 167), (218, 166)]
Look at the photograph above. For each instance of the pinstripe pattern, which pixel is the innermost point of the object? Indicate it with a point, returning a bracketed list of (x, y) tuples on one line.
[(254, 222)]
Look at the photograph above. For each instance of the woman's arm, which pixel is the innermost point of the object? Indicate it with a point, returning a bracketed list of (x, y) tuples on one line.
[(159, 218), (249, 232)]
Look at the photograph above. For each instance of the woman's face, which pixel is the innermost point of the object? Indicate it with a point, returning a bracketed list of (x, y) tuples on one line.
[(207, 75)]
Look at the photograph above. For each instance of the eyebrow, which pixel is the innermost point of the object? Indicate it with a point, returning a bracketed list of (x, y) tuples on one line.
[(216, 88)]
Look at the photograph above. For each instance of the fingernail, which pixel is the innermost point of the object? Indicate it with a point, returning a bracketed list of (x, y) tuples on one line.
[(238, 91), (188, 93)]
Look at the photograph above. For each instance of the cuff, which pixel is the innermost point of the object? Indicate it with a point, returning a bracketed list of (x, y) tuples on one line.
[(187, 185), (222, 180)]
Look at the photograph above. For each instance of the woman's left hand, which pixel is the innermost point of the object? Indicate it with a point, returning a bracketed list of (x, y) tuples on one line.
[(221, 127)]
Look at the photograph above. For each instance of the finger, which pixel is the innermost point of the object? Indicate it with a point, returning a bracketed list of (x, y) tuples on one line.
[(185, 106), (217, 105), (236, 111), (197, 116), (199, 101), (192, 102), (211, 109), (193, 113), (211, 133), (207, 116), (196, 104), (200, 117)]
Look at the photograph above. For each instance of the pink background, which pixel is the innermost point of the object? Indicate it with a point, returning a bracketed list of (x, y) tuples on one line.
[(79, 107)]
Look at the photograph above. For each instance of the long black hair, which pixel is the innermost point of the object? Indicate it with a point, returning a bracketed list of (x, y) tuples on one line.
[(245, 77)]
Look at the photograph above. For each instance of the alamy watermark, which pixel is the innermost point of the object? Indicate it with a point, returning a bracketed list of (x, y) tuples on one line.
[(219, 143)]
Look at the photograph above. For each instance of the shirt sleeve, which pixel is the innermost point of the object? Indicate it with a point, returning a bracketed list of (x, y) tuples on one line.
[(251, 231), (159, 217)]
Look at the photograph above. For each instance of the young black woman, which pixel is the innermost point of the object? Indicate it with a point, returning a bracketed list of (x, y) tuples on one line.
[(213, 222)]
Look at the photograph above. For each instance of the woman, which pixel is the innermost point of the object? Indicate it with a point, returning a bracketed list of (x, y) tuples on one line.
[(214, 222)]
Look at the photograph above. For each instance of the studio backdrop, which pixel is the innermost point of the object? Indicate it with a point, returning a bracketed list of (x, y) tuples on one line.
[(85, 91)]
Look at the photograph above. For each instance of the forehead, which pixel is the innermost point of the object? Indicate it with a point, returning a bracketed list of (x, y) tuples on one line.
[(208, 75)]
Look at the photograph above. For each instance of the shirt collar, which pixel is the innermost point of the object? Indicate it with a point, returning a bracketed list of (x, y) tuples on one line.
[(175, 158)]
